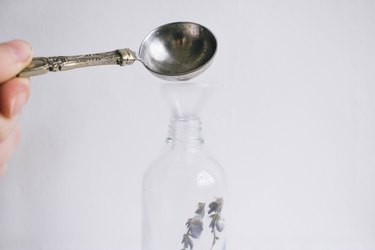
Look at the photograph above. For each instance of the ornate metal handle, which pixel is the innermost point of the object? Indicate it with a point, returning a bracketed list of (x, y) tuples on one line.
[(43, 65)]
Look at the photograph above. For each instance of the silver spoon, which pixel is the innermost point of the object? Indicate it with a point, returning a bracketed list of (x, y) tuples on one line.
[(175, 52)]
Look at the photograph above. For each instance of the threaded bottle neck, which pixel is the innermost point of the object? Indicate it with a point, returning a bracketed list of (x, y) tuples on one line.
[(185, 132)]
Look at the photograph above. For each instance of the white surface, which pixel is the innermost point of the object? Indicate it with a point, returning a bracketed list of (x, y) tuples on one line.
[(294, 129)]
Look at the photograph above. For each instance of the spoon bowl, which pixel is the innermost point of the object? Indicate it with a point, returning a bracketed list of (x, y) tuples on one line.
[(178, 51)]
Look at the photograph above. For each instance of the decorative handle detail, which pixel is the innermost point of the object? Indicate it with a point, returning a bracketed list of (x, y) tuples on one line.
[(43, 65)]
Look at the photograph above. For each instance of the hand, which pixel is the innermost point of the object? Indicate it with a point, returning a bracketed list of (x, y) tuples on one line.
[(14, 92)]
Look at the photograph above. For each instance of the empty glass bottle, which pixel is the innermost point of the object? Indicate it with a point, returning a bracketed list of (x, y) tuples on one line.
[(184, 190)]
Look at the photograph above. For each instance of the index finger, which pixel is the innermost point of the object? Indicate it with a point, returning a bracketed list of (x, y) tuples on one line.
[(14, 56)]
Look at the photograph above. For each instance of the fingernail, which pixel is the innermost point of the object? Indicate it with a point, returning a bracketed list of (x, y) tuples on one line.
[(21, 50), (18, 102)]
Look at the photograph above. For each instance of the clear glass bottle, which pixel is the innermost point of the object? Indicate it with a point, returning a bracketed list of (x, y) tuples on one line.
[(184, 189)]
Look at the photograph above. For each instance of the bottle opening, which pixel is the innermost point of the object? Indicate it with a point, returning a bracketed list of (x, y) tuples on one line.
[(185, 131)]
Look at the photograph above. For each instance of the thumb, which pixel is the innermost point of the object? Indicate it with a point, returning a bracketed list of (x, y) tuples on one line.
[(14, 56)]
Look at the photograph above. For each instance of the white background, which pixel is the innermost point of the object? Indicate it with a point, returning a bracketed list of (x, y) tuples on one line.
[(294, 128)]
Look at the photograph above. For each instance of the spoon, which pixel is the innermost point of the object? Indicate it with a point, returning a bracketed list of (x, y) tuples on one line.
[(175, 52)]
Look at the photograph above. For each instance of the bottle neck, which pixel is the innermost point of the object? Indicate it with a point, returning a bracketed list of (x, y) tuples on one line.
[(185, 133)]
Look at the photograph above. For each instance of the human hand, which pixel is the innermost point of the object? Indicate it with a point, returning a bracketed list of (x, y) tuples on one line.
[(14, 92)]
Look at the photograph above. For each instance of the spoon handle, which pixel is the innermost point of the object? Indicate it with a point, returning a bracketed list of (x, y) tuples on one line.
[(43, 65)]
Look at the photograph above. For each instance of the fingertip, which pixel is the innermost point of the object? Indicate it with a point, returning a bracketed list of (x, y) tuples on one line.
[(15, 55), (21, 49), (25, 81), (14, 94)]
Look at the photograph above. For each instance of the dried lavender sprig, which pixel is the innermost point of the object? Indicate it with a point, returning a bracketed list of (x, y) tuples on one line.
[(216, 223), (194, 227)]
